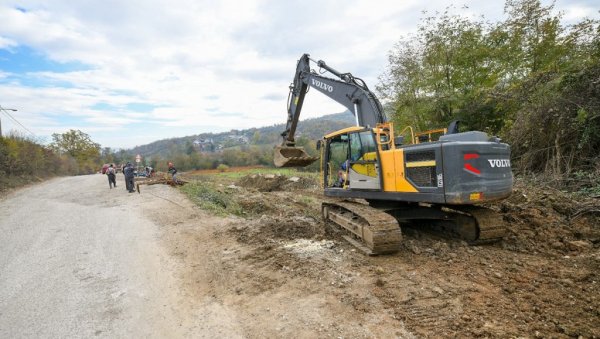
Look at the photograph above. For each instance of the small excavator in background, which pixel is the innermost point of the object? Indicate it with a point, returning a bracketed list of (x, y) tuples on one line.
[(376, 179)]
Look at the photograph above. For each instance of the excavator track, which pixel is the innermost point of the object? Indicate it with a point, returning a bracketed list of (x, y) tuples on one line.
[(378, 232), (490, 226), (476, 225)]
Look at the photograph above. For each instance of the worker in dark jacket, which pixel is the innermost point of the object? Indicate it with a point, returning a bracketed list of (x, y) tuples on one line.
[(128, 172)]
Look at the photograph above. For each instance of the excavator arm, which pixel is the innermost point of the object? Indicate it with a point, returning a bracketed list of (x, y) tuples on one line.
[(349, 91)]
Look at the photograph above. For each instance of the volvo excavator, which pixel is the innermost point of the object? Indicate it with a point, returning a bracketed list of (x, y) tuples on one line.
[(375, 179)]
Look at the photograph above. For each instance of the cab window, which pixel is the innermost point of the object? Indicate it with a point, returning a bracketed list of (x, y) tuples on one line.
[(360, 144)]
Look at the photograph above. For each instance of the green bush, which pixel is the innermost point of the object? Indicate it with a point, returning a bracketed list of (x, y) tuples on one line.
[(222, 168), (24, 160)]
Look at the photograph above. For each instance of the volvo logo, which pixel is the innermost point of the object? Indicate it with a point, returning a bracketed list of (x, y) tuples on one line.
[(499, 162), (322, 85)]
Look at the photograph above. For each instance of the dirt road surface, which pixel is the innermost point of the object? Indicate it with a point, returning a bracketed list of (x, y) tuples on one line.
[(80, 260), (77, 259)]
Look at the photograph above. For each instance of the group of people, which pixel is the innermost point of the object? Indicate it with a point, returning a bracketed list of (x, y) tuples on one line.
[(129, 173)]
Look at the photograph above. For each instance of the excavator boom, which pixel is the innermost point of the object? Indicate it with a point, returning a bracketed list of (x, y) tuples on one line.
[(349, 91)]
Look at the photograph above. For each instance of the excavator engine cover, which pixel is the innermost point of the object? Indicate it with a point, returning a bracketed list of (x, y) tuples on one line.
[(292, 157)]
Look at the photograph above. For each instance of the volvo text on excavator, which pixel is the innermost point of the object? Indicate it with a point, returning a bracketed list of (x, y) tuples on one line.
[(375, 179)]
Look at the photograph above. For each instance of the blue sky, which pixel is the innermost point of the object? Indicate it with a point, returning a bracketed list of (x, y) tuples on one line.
[(131, 72)]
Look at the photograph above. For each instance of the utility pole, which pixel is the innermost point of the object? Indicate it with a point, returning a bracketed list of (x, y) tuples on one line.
[(5, 109)]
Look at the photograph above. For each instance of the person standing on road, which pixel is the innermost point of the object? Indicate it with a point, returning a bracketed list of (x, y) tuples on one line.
[(128, 172), (112, 177), (173, 172), (123, 171)]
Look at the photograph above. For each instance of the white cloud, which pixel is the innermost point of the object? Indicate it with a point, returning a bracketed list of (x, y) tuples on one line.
[(573, 14), (6, 43), (204, 65)]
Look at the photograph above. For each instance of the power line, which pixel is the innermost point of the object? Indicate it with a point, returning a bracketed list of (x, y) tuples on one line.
[(15, 120)]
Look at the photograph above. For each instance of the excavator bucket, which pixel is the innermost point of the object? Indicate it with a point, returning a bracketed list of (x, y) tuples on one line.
[(292, 157)]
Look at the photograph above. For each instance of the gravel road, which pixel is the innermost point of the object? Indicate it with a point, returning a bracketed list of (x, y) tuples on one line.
[(80, 260)]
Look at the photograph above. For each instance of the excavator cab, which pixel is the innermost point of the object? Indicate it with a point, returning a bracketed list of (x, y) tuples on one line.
[(350, 159)]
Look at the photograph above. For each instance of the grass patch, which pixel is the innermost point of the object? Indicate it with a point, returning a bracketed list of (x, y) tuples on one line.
[(306, 200), (213, 199), (236, 173), (288, 172)]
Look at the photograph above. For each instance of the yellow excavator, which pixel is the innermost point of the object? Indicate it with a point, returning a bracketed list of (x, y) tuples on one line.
[(376, 179)]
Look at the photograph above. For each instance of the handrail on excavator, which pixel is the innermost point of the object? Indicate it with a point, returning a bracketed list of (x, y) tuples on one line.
[(412, 133), (429, 134)]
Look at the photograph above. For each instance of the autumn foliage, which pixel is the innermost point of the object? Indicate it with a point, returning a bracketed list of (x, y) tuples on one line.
[(23, 160), (530, 79)]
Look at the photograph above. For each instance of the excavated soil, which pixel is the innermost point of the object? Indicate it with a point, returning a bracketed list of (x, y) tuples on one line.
[(291, 275), (274, 182)]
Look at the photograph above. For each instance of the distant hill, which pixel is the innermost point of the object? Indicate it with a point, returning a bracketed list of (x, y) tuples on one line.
[(312, 129)]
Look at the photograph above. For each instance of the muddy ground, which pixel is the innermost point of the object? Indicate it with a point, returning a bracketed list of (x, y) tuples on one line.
[(291, 275)]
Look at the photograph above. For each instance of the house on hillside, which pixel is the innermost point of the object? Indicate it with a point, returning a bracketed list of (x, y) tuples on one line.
[(204, 145), (241, 139)]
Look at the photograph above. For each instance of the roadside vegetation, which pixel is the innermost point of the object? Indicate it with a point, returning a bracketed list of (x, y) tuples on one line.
[(24, 160), (530, 79)]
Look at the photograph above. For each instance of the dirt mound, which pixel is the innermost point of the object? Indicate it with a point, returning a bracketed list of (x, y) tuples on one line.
[(549, 221), (278, 228), (275, 182), (255, 204)]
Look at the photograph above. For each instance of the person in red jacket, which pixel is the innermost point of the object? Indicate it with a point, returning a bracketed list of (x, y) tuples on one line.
[(173, 172)]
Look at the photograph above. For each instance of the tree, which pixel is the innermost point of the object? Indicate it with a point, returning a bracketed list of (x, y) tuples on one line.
[(107, 155), (79, 146), (189, 148), (256, 138), (529, 79), (443, 73), (534, 36)]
